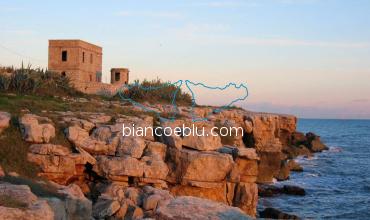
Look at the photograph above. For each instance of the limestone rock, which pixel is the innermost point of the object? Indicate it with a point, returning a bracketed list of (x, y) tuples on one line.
[(31, 207), (80, 138), (284, 172), (134, 195), (206, 142), (36, 129), (314, 143), (74, 205), (269, 166), (119, 166), (105, 208), (202, 166), (131, 146), (294, 166), (49, 149), (154, 168), (4, 121), (271, 213), (187, 207), (246, 197), (156, 150), (150, 203)]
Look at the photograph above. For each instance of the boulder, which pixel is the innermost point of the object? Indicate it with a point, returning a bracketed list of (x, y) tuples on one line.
[(134, 195), (154, 168), (265, 190), (294, 190), (206, 190), (206, 142), (156, 150), (4, 121), (188, 207), (119, 166), (271, 213), (284, 172), (24, 204), (73, 205), (298, 138), (49, 149), (131, 146), (81, 139), (82, 123), (201, 166), (105, 208), (246, 197), (294, 166), (151, 202), (269, 166), (102, 133), (271, 190), (36, 129), (314, 143)]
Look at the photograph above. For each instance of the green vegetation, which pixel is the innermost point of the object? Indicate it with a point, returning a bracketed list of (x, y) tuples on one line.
[(13, 152), (8, 201), (35, 81), (156, 92)]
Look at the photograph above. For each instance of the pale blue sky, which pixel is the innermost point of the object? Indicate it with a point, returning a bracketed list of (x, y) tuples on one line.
[(306, 57)]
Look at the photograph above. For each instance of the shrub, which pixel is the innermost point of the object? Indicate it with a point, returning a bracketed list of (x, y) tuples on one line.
[(4, 82), (35, 81), (156, 91)]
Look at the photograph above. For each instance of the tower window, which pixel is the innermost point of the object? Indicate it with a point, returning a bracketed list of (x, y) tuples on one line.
[(117, 76), (90, 78), (64, 55), (63, 74), (83, 57), (91, 58)]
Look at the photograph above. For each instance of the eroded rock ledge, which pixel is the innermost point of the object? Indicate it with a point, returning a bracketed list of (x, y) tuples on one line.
[(158, 177)]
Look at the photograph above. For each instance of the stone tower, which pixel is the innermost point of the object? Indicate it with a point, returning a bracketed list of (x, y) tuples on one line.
[(79, 60), (119, 75)]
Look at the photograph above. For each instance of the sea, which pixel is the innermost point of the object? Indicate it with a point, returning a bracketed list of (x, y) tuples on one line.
[(337, 181)]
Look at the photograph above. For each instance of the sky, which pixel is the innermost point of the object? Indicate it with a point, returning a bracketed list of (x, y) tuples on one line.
[(310, 58)]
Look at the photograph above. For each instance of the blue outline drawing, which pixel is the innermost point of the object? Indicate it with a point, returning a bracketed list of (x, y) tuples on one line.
[(178, 84), (219, 109)]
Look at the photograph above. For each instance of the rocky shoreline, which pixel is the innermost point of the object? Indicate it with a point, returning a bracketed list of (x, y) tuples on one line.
[(104, 175)]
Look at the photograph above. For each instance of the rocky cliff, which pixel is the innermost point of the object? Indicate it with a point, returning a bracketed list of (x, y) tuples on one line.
[(161, 176)]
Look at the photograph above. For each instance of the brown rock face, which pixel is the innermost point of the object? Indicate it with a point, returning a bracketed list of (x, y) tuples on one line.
[(119, 166), (201, 166), (57, 163), (314, 143), (121, 170), (30, 207), (187, 207), (36, 129)]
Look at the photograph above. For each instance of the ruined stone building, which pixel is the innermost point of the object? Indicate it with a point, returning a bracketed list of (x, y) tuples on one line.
[(82, 63)]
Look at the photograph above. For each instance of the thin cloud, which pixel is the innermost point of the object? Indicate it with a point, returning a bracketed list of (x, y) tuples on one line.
[(18, 31), (161, 14), (278, 42), (360, 100), (295, 42), (227, 4)]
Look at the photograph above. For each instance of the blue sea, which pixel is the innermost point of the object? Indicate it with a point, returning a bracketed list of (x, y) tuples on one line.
[(337, 181)]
